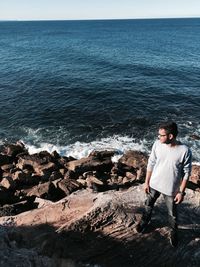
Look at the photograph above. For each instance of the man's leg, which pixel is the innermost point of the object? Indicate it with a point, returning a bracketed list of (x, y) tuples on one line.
[(149, 204), (172, 217)]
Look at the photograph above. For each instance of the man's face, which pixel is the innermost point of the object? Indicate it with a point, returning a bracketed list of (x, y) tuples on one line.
[(164, 137)]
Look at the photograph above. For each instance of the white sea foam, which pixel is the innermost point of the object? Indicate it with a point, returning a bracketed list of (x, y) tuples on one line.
[(80, 149), (120, 144)]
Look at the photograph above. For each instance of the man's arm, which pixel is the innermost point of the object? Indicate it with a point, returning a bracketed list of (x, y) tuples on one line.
[(147, 180), (150, 166), (180, 195), (187, 167)]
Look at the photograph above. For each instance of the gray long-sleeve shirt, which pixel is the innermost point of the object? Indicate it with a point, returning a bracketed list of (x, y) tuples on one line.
[(169, 165)]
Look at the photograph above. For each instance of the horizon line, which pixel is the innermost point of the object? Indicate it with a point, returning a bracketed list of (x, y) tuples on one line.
[(98, 19)]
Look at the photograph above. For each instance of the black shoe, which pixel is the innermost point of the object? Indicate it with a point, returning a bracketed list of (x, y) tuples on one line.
[(141, 226), (173, 238)]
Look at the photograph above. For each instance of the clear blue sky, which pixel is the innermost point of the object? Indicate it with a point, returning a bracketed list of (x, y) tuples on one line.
[(97, 9)]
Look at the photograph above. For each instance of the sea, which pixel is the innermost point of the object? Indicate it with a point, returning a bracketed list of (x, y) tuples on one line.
[(78, 86)]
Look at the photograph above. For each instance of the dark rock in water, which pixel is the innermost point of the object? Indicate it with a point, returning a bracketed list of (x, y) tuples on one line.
[(102, 154), (195, 137), (13, 150)]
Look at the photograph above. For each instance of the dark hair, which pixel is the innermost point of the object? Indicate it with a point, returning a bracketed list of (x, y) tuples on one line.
[(170, 128)]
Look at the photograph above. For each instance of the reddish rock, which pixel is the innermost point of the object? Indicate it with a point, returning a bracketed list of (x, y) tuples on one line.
[(195, 175), (135, 162), (67, 186), (70, 175), (7, 167), (13, 150), (45, 168), (34, 160), (102, 154), (131, 176), (41, 190), (8, 183), (89, 164)]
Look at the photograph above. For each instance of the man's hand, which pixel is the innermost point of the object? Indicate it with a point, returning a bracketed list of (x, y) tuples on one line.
[(146, 188), (178, 198)]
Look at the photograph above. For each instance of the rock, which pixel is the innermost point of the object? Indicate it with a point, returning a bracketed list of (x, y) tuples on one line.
[(70, 175), (195, 136), (82, 181), (7, 196), (5, 159), (89, 164), (8, 183), (136, 162), (67, 186), (19, 207), (55, 155), (195, 175), (43, 190), (7, 167), (6, 174), (34, 160), (13, 150), (55, 175), (102, 154), (45, 168), (131, 176), (104, 225), (23, 178)]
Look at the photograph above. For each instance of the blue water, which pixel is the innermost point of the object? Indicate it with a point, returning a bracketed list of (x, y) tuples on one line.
[(63, 82)]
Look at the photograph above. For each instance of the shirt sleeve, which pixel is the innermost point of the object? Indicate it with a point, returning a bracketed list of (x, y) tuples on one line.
[(187, 164), (152, 158)]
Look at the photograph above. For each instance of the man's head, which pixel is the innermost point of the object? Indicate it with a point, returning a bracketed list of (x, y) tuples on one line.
[(167, 132)]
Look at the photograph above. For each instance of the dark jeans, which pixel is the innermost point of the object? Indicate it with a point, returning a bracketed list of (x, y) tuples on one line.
[(171, 207)]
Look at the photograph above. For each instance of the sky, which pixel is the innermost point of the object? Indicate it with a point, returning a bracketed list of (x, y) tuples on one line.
[(97, 9)]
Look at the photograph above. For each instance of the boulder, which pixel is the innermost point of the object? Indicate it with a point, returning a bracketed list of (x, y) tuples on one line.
[(89, 164), (102, 154), (67, 186), (7, 167), (45, 168), (70, 175), (195, 175), (19, 207), (8, 183), (134, 162), (13, 150), (34, 160), (21, 177), (5, 159), (7, 196), (42, 190)]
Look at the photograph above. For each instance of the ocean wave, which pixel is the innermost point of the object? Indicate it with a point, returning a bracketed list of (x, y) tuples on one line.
[(119, 144)]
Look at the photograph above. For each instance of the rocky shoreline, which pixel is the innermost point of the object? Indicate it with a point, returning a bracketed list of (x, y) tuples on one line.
[(80, 212)]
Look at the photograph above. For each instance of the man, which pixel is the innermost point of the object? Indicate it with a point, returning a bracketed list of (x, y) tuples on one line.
[(168, 169)]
